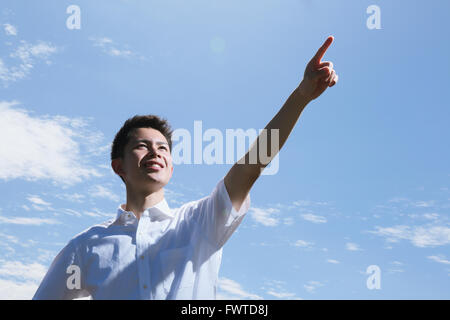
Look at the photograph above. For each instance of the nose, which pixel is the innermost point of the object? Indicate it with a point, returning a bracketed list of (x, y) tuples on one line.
[(153, 152)]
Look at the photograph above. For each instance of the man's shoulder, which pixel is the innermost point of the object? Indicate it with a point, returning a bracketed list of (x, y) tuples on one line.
[(93, 232), (198, 203), (189, 205)]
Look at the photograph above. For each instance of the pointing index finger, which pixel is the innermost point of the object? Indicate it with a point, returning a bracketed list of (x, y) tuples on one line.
[(321, 52)]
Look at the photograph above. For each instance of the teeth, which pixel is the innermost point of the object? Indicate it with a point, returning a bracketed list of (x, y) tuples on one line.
[(155, 166)]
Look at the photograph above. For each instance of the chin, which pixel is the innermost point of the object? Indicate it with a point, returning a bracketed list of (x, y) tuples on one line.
[(153, 185)]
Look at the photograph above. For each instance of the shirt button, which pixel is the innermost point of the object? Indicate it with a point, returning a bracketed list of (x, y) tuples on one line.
[(145, 286), (142, 257)]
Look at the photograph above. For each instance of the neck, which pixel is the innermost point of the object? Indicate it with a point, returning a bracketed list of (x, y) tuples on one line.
[(137, 201)]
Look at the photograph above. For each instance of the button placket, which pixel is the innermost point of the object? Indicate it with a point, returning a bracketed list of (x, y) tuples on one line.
[(142, 244)]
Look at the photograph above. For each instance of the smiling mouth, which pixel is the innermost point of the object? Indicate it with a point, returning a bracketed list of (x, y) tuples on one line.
[(153, 167)]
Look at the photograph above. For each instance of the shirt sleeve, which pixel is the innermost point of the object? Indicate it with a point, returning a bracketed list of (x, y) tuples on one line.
[(216, 216), (64, 279)]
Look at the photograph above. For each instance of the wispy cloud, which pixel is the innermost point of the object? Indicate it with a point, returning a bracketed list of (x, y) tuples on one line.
[(113, 49), (313, 218), (10, 30), (99, 191), (265, 216), (303, 244), (351, 246), (43, 147), (72, 197), (281, 294), (38, 200), (24, 59), (231, 290), (27, 221), (419, 236), (97, 213), (311, 286), (38, 203), (276, 288), (307, 203), (439, 258), (333, 261)]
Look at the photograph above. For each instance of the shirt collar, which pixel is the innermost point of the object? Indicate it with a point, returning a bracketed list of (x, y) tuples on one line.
[(158, 212)]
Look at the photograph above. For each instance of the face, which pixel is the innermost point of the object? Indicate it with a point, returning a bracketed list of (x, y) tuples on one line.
[(147, 162)]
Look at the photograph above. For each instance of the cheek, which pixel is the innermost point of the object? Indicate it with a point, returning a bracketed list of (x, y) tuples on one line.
[(133, 159), (169, 164), (137, 156)]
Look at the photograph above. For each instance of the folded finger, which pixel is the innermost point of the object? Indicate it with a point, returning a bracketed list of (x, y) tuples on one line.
[(323, 72), (332, 74), (326, 64), (334, 81)]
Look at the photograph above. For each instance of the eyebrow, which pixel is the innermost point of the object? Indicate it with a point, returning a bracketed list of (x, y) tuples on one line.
[(149, 141)]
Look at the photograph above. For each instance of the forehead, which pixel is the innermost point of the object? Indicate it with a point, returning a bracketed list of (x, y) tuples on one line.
[(147, 134)]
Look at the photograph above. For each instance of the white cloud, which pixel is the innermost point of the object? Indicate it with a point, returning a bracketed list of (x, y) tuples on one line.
[(333, 261), (26, 52), (423, 204), (111, 48), (391, 271), (352, 246), (43, 147), (16, 290), (431, 216), (265, 216), (231, 290), (9, 238), (303, 244), (311, 286), (18, 280), (398, 200), (313, 218), (98, 213), (17, 269), (27, 221), (71, 212), (10, 30), (307, 203), (277, 289), (419, 236), (27, 55), (37, 200), (281, 295), (99, 191), (72, 197), (439, 258)]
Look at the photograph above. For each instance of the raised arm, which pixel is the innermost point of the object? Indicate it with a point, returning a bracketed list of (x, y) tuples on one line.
[(317, 78)]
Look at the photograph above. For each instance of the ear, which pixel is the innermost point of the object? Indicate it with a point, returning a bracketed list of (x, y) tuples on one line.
[(116, 165)]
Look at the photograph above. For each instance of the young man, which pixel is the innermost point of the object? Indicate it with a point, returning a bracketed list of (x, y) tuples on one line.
[(150, 251)]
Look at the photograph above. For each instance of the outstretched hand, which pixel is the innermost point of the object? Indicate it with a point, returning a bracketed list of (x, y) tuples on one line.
[(318, 75)]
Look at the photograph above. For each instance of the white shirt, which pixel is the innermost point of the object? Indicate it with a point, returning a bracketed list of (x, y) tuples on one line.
[(166, 254)]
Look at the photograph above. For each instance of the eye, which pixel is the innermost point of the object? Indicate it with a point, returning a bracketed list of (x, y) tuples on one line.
[(163, 147), (142, 145)]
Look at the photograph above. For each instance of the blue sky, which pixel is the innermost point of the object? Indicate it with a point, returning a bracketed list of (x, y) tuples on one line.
[(364, 178)]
